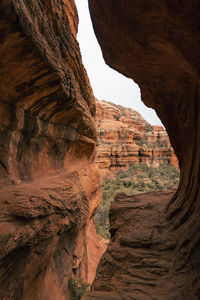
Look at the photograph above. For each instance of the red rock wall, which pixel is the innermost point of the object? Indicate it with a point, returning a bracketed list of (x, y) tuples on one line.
[(49, 186), (157, 44), (120, 129)]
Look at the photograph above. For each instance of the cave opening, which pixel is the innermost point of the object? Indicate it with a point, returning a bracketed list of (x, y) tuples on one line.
[(140, 159)]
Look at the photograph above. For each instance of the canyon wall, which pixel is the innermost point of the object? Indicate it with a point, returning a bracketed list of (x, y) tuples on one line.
[(49, 185), (125, 138), (156, 43)]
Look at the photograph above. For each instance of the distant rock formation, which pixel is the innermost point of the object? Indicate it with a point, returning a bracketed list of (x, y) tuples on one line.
[(125, 137)]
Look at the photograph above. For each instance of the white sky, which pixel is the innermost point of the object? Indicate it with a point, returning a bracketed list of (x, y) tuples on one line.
[(107, 83)]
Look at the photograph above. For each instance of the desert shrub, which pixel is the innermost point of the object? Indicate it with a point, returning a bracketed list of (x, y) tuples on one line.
[(77, 288), (158, 144), (143, 167), (161, 144), (148, 128), (131, 170), (142, 142), (102, 217), (127, 183), (121, 174)]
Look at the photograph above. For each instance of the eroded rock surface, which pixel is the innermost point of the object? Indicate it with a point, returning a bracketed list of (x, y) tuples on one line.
[(156, 43), (125, 138), (49, 186), (140, 257)]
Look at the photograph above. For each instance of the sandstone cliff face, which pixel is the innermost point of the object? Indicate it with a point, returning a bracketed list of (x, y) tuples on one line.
[(157, 44), (49, 186), (125, 137)]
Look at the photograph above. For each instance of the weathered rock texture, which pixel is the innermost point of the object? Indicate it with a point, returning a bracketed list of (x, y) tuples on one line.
[(120, 131), (157, 44), (49, 186), (141, 251)]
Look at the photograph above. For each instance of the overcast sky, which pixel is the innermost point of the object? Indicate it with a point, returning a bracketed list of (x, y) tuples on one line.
[(107, 83)]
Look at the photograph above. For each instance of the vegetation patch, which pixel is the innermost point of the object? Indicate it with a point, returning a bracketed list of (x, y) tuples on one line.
[(138, 178), (158, 144), (77, 288)]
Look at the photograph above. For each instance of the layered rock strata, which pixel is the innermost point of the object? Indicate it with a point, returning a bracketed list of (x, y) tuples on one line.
[(156, 43), (125, 137), (49, 186)]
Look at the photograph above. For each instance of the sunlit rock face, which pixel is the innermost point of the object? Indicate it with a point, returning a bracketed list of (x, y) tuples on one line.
[(125, 138), (156, 43), (49, 186)]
